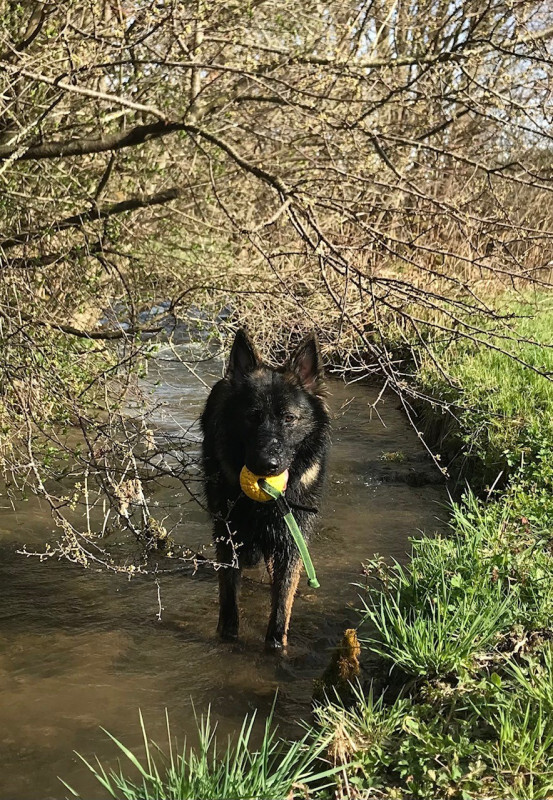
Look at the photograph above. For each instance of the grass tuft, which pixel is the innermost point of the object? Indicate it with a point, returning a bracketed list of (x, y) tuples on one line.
[(211, 771)]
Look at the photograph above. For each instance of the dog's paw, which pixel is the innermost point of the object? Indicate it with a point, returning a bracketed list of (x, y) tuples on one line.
[(275, 645), (228, 634)]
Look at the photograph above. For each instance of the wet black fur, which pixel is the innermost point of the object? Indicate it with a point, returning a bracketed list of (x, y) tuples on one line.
[(270, 420)]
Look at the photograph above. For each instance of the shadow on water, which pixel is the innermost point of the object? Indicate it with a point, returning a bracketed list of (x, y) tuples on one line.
[(80, 649)]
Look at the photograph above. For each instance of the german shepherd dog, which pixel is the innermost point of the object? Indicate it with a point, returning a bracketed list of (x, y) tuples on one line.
[(269, 420)]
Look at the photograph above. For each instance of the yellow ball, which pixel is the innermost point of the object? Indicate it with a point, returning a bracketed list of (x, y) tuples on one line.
[(250, 484)]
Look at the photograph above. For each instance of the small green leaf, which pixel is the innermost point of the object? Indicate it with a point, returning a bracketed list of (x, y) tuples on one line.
[(496, 680)]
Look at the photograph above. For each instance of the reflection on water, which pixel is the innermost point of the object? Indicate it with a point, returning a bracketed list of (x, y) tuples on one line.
[(82, 649)]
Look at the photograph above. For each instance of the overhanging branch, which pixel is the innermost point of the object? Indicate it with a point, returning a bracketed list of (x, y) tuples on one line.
[(102, 335), (93, 214), (81, 147), (134, 136)]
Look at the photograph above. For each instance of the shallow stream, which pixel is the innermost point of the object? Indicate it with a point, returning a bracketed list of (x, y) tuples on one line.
[(81, 649)]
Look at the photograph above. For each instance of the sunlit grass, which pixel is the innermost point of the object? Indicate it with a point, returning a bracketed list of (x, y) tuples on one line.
[(439, 635), (502, 404), (459, 593)]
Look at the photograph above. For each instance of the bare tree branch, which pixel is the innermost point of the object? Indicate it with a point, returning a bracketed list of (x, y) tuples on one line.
[(91, 215)]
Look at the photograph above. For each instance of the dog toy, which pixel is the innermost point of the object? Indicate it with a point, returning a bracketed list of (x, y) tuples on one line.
[(273, 487), (249, 483)]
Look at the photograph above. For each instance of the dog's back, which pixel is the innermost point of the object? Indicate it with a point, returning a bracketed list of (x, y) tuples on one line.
[(269, 420)]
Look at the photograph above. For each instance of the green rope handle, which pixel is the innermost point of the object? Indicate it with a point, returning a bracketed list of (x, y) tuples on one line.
[(297, 535)]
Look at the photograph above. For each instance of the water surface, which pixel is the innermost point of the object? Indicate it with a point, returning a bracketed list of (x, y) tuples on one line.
[(80, 649)]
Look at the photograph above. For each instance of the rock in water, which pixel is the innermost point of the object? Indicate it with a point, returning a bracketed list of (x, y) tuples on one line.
[(341, 672)]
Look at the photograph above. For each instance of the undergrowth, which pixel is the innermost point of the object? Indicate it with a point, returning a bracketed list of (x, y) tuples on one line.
[(465, 628)]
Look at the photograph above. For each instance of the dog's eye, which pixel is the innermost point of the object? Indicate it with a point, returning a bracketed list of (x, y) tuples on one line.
[(289, 418)]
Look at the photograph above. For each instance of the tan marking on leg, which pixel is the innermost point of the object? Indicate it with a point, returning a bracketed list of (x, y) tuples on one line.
[(310, 475), (289, 599), (270, 564)]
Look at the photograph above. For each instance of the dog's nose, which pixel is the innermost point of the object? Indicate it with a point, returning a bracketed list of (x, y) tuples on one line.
[(270, 464)]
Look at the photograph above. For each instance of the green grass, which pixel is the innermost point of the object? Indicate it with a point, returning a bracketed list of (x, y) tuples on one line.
[(465, 626), (488, 735), (459, 594), (440, 632), (274, 770), (503, 408)]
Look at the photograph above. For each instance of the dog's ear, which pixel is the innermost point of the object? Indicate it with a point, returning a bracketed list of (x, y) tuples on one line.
[(243, 357), (307, 363)]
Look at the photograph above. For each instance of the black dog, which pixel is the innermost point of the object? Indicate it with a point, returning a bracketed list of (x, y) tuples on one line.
[(269, 420)]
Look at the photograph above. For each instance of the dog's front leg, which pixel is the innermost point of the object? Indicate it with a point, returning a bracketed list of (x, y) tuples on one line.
[(229, 587), (286, 574)]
